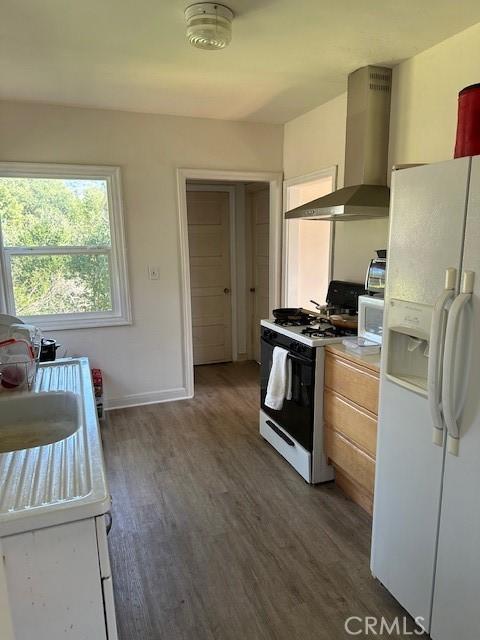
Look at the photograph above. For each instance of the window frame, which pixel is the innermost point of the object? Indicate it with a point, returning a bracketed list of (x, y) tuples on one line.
[(120, 295)]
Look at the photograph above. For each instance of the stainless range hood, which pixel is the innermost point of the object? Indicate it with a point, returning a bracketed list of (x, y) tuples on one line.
[(365, 194)]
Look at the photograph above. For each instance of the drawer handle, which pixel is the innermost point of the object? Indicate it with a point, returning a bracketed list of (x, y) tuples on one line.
[(280, 433)]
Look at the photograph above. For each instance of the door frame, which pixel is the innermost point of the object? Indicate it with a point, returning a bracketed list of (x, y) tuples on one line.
[(274, 180), (250, 189), (327, 172), (233, 254)]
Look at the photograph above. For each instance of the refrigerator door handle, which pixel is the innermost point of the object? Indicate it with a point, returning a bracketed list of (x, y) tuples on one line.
[(437, 335), (448, 384)]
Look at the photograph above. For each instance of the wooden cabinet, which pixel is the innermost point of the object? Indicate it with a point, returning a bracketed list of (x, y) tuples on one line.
[(350, 413), (352, 421), (358, 465), (352, 381)]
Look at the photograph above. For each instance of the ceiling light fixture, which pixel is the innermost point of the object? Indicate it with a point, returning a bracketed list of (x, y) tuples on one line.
[(209, 25)]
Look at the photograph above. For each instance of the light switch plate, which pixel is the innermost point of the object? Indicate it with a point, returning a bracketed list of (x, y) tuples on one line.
[(153, 272)]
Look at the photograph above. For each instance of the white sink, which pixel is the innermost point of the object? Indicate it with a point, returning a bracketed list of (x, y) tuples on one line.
[(30, 420), (51, 462)]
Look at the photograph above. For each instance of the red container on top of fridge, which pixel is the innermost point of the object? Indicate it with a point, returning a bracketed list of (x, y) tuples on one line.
[(468, 123)]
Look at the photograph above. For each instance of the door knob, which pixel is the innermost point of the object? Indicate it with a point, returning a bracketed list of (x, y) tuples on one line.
[(226, 290)]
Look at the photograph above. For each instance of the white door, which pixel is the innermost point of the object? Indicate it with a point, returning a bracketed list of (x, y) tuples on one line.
[(209, 247), (457, 588), (260, 215), (426, 234)]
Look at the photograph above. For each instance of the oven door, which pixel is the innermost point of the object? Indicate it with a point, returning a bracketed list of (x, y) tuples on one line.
[(296, 415)]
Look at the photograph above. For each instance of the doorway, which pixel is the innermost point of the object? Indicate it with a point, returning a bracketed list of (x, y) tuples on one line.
[(211, 224), (230, 226)]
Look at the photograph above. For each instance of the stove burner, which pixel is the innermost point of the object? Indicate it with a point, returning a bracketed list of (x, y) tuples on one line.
[(302, 322), (327, 332), (289, 323), (315, 326)]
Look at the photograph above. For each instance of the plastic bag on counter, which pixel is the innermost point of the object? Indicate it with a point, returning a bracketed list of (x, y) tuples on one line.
[(17, 365)]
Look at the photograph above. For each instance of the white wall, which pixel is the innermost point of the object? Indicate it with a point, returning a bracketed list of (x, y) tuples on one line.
[(142, 362), (425, 90), (316, 140), (422, 129)]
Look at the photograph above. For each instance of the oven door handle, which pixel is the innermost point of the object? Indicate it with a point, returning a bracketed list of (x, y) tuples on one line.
[(305, 361), (280, 433), (291, 355)]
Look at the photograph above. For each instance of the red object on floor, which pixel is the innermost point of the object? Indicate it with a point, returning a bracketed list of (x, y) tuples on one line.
[(468, 123), (97, 382)]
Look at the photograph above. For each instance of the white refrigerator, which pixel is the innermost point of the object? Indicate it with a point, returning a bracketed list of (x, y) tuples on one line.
[(426, 522)]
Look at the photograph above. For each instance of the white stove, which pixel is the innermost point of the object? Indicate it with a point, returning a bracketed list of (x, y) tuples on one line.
[(296, 430), (294, 427), (296, 332)]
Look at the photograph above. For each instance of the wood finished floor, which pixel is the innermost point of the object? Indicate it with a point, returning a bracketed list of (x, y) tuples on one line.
[(216, 537)]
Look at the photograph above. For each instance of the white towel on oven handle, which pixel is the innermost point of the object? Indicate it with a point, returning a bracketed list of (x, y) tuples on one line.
[(279, 385)]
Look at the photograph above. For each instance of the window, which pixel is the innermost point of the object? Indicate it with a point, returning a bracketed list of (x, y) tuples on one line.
[(308, 243), (62, 246)]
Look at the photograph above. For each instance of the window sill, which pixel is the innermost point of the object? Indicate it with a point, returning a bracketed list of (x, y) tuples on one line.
[(71, 324)]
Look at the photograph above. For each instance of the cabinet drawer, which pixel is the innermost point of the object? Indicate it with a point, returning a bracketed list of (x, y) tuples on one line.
[(355, 383), (355, 423), (354, 462), (354, 491)]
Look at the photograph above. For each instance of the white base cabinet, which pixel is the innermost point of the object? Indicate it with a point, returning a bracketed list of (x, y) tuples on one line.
[(59, 582)]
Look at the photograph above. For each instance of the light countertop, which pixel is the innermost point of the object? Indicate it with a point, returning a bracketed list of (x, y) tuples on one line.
[(63, 481), (370, 361)]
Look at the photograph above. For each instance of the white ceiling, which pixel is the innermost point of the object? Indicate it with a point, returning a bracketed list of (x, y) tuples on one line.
[(286, 57)]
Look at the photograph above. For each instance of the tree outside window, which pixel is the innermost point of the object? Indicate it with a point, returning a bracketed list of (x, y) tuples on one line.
[(63, 254)]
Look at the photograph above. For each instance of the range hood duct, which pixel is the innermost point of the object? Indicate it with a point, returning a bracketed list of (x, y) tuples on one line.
[(365, 194)]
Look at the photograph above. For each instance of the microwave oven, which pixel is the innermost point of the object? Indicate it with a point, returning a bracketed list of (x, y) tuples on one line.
[(370, 318)]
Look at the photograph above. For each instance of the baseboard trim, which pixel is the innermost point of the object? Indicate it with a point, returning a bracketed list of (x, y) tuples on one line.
[(151, 397)]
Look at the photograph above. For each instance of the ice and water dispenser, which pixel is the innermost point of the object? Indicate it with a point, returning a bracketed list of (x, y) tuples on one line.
[(408, 328)]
